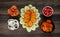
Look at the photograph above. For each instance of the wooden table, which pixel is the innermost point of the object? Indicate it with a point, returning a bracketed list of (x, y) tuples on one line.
[(39, 4)]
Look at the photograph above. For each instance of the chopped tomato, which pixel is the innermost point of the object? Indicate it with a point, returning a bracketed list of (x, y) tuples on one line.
[(13, 11), (47, 11), (47, 26)]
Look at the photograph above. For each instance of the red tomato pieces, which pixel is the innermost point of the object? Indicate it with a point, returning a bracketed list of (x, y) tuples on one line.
[(47, 11)]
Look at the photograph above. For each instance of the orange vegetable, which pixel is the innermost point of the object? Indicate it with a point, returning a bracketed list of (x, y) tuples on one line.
[(49, 21), (29, 24), (29, 18), (13, 11), (25, 20), (33, 20), (47, 26)]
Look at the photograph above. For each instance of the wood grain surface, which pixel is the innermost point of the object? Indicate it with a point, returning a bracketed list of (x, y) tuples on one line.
[(39, 4)]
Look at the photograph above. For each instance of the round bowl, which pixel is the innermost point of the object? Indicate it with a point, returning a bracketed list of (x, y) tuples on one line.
[(47, 11)]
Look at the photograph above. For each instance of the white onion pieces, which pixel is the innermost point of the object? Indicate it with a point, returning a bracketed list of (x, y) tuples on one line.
[(13, 24)]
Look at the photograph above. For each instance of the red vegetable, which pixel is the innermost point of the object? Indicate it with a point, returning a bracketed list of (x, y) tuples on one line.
[(47, 11), (13, 11)]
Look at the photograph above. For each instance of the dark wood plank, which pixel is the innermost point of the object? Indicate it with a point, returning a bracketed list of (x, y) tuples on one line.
[(57, 2)]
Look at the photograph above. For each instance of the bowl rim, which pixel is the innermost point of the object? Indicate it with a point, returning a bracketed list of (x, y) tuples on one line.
[(44, 13)]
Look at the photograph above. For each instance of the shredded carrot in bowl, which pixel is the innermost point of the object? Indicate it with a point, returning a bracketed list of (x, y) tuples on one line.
[(29, 18)]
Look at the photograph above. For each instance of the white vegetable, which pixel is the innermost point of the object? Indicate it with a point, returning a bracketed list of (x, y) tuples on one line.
[(13, 24)]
